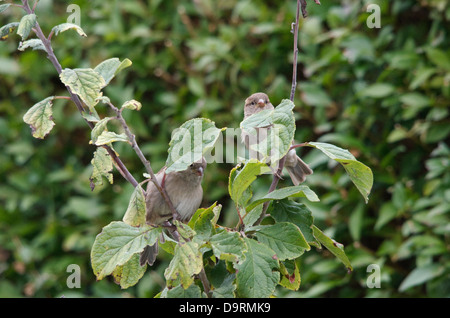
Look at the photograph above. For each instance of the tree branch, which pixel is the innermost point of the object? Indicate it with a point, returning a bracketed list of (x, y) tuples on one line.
[(145, 161), (294, 30), (52, 57)]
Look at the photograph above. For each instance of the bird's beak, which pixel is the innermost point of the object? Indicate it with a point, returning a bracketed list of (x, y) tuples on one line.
[(200, 171), (261, 103)]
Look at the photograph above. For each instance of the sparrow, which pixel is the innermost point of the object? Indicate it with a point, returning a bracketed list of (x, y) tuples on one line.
[(297, 169), (185, 191)]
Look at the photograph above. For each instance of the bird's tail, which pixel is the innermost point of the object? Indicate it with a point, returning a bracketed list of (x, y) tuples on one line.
[(299, 171), (148, 255)]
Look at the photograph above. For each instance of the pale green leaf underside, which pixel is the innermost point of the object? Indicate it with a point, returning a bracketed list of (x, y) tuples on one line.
[(111, 67), (85, 82), (102, 167), (39, 117), (189, 142), (360, 174), (7, 29), (117, 243), (26, 24), (135, 214), (280, 135), (68, 26), (107, 137), (35, 44)]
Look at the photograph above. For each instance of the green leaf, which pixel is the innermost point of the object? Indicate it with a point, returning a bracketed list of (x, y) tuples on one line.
[(334, 247), (377, 90), (132, 104), (257, 276), (117, 243), (68, 26), (226, 289), (439, 57), (421, 275), (102, 167), (240, 180), (356, 222), (186, 263), (287, 192), (290, 275), (204, 220), (3, 7), (280, 135), (252, 216), (193, 291), (135, 214), (35, 44), (99, 128), (297, 213), (107, 137), (284, 238), (26, 24), (185, 230), (189, 142), (360, 174), (228, 246), (7, 29), (85, 82), (111, 67), (40, 119), (130, 273)]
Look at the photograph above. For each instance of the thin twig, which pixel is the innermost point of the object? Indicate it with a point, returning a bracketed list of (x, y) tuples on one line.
[(145, 161), (52, 57), (277, 175)]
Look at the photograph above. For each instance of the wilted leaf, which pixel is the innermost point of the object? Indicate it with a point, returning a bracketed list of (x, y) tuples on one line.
[(40, 119), (132, 104), (107, 137), (7, 29), (35, 44), (68, 26)]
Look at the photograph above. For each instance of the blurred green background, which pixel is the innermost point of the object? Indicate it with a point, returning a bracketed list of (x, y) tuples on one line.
[(384, 94)]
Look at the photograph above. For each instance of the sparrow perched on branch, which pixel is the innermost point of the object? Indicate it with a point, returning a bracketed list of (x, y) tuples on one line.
[(297, 169), (184, 189)]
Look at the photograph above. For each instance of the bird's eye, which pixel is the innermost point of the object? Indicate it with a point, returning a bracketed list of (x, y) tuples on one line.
[(252, 103), (191, 165)]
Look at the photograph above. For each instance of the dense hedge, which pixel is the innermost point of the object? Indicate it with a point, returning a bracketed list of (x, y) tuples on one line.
[(383, 93)]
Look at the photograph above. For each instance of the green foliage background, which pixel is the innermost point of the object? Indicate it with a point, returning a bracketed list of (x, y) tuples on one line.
[(384, 94)]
